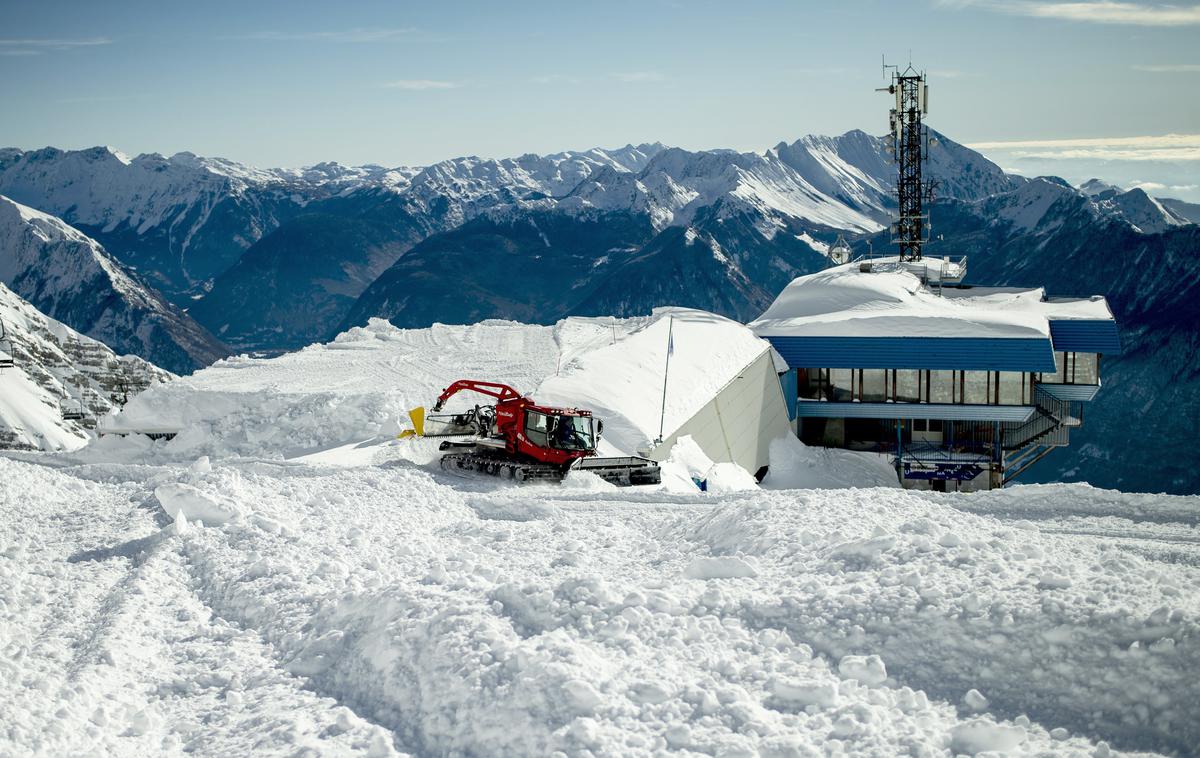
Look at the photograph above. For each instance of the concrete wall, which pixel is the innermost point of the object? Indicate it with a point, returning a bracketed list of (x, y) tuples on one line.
[(739, 423)]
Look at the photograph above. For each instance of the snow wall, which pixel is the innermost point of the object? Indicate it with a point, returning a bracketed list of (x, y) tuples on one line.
[(722, 389)]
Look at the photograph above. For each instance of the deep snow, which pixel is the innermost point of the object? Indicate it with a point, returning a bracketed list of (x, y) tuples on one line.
[(286, 576), (351, 609)]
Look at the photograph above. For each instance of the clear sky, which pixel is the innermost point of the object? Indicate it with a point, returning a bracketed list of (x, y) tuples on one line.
[(1081, 88)]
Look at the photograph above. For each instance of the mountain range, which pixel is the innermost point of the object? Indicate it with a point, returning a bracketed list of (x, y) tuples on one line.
[(203, 256), (68, 276), (275, 259)]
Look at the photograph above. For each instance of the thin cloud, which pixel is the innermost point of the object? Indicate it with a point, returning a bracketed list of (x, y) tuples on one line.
[(1151, 186), (1097, 12), (346, 35), (640, 76), (1167, 147), (36, 46), (1169, 68), (1163, 140), (417, 85)]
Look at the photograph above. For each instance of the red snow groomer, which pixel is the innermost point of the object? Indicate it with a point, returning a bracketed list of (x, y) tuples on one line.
[(518, 439)]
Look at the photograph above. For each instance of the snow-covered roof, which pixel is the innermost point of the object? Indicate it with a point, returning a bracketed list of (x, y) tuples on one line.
[(1071, 308), (890, 301), (845, 317)]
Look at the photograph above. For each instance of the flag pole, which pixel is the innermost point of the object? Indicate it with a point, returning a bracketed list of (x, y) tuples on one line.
[(662, 417)]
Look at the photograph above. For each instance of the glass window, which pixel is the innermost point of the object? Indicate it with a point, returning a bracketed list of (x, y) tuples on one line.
[(1059, 367), (572, 432), (908, 385), (941, 386), (1012, 388), (841, 384), (535, 428), (975, 387), (1087, 368), (874, 385), (813, 383)]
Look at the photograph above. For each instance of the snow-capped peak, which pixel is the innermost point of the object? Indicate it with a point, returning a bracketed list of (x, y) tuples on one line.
[(69, 276), (1093, 187)]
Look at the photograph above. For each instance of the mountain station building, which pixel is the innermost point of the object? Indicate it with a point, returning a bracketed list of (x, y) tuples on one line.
[(963, 386)]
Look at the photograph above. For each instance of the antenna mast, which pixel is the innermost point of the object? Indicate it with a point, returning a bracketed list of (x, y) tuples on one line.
[(910, 142)]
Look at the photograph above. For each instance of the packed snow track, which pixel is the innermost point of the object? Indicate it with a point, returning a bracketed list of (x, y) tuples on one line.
[(271, 606)]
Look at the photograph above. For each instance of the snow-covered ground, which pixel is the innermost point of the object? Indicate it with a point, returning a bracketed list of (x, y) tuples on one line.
[(286, 576), (389, 607)]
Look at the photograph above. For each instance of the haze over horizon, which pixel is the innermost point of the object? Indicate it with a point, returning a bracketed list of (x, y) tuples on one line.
[(1077, 89)]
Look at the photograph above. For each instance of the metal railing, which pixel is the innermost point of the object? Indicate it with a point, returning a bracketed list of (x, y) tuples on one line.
[(1049, 426)]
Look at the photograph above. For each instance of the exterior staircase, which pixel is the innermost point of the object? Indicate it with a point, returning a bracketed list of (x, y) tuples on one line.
[(1028, 442)]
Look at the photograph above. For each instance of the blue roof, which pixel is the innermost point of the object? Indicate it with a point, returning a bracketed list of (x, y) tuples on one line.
[(1083, 392), (1085, 335), (967, 353), (943, 411)]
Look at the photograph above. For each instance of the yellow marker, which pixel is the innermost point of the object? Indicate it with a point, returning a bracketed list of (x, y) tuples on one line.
[(417, 415)]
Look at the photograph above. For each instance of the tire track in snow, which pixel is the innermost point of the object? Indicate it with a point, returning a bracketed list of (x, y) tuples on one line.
[(1059, 627), (517, 622), (109, 651)]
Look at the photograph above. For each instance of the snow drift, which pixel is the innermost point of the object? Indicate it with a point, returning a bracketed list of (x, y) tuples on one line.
[(360, 385)]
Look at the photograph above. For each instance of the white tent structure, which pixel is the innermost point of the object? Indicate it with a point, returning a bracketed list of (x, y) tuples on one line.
[(721, 388)]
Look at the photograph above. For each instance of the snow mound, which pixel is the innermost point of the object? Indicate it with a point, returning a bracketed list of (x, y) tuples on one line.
[(724, 567), (356, 388), (688, 467), (868, 669), (195, 504), (323, 403), (984, 736), (795, 465)]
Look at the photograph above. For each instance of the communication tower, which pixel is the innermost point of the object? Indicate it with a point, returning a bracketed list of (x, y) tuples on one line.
[(910, 144)]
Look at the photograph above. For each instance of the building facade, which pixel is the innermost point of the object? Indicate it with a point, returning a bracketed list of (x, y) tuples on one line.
[(965, 387)]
